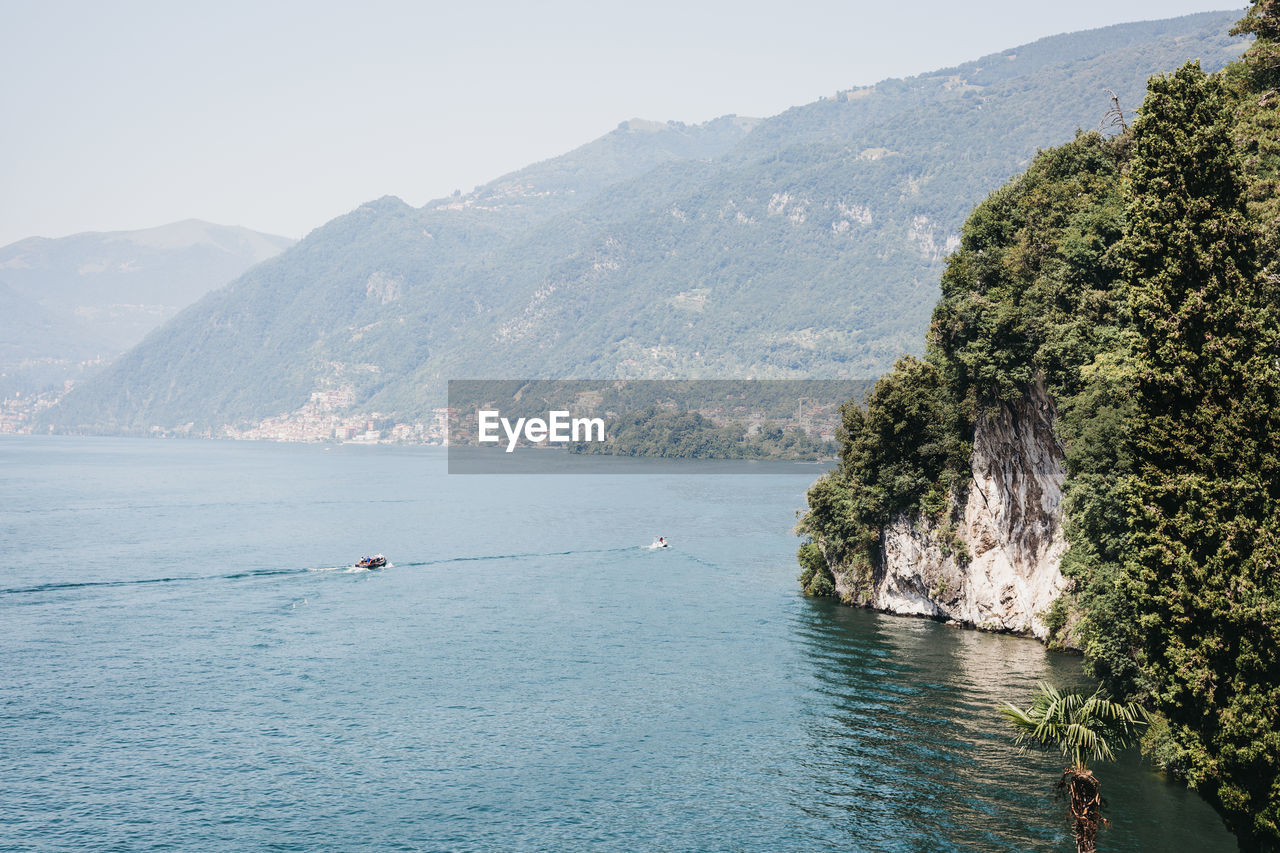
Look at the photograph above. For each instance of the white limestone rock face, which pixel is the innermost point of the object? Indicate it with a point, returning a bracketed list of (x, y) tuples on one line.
[(1011, 526)]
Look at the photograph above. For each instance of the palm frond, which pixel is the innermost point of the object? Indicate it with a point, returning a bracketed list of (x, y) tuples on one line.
[(1083, 727)]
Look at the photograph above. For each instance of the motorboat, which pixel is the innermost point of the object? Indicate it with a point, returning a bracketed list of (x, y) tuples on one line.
[(660, 542), (377, 561)]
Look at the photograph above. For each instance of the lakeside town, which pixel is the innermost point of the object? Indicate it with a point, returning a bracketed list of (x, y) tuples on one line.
[(18, 412), (327, 417)]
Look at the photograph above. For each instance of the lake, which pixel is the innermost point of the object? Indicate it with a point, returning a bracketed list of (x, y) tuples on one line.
[(188, 662)]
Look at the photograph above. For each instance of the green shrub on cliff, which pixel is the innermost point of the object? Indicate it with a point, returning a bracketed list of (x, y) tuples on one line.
[(1031, 295), (816, 578), (904, 451)]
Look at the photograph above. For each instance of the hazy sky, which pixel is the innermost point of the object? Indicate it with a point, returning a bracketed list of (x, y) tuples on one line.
[(280, 116)]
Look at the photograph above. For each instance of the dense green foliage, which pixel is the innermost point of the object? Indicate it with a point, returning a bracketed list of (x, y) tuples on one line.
[(805, 245), (1030, 296), (1134, 279), (1262, 61), (699, 419), (677, 434), (1201, 562), (901, 451), (723, 400), (1257, 122)]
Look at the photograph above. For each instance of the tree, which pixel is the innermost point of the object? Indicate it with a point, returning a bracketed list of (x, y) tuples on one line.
[(1083, 728), (1262, 59), (1257, 130), (1200, 564), (905, 452)]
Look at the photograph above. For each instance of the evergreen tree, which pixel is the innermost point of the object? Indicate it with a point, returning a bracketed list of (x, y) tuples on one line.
[(1202, 564), (1262, 59), (1257, 132)]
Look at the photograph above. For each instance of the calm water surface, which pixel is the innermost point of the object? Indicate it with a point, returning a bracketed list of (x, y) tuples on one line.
[(186, 663)]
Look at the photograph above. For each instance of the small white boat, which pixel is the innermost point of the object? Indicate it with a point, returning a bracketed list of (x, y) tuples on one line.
[(660, 542)]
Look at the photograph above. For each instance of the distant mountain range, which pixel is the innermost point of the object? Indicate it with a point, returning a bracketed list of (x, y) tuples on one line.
[(92, 296), (808, 244)]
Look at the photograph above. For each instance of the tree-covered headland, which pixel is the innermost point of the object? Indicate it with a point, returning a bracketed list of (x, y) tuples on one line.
[(661, 433), (1135, 278)]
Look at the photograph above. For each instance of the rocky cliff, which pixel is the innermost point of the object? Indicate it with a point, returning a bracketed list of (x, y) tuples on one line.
[(996, 565)]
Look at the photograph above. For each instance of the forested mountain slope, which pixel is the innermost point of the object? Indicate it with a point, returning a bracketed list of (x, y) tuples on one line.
[(807, 244)]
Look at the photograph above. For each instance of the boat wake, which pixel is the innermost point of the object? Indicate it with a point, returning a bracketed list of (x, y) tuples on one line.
[(253, 574), (56, 587)]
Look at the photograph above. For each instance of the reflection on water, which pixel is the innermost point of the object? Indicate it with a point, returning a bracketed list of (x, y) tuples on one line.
[(904, 748), (527, 677)]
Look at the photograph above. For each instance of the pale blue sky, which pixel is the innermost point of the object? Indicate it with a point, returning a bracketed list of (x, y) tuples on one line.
[(280, 116)]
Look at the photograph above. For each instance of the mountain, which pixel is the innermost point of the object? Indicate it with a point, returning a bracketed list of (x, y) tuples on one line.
[(94, 295), (808, 244)]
